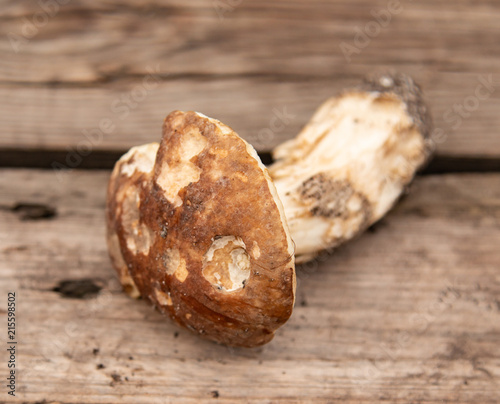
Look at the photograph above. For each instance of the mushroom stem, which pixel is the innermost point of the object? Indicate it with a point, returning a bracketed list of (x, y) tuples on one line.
[(351, 162)]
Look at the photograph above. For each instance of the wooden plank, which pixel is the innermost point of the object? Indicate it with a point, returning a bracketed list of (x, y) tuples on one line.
[(260, 56), (295, 38), (409, 312), (58, 118)]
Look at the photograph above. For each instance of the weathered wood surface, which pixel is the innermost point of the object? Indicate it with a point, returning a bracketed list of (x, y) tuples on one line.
[(258, 57), (409, 312)]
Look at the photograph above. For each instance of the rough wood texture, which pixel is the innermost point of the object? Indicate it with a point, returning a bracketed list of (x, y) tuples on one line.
[(258, 57), (410, 312)]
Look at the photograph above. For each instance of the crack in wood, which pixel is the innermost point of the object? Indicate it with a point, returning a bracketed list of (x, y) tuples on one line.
[(118, 76), (77, 289), (31, 211)]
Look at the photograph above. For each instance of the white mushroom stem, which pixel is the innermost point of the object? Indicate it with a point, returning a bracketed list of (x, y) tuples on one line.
[(351, 163)]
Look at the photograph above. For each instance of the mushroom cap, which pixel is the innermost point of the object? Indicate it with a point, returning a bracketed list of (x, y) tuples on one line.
[(203, 232)]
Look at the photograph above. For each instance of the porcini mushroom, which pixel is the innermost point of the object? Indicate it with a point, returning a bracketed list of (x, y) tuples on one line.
[(195, 225), (198, 226)]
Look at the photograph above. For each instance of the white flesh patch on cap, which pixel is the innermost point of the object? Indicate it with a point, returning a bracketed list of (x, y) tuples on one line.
[(177, 176), (255, 250), (163, 298), (174, 264), (126, 280), (226, 264), (143, 159), (138, 236)]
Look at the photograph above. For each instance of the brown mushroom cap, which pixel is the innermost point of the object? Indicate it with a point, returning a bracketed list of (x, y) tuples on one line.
[(203, 233)]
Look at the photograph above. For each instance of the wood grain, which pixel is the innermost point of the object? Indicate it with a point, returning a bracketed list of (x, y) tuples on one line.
[(409, 312), (260, 56)]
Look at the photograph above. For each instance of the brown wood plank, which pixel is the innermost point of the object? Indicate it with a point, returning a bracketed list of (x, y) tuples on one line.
[(260, 56), (282, 37), (409, 312)]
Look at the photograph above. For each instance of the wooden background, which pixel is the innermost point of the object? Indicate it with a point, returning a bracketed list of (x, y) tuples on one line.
[(408, 313)]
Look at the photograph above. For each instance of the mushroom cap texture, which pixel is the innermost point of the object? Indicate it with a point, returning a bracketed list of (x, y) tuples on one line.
[(196, 227)]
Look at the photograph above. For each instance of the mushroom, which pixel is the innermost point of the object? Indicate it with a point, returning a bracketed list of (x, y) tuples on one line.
[(198, 226), (195, 225)]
